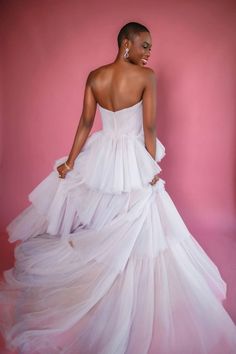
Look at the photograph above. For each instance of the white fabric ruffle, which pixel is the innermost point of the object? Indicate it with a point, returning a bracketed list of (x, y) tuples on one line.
[(106, 264)]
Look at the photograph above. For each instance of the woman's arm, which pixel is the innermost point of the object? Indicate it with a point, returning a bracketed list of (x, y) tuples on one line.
[(84, 127), (149, 116), (149, 112), (85, 123)]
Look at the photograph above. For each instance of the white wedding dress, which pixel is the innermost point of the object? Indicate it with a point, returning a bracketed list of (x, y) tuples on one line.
[(106, 264)]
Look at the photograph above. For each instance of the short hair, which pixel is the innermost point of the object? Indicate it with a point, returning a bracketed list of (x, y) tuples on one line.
[(130, 30)]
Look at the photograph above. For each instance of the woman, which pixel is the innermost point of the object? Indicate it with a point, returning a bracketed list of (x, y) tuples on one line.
[(120, 84), (107, 265)]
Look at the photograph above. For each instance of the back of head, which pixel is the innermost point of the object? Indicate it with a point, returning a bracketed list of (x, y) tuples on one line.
[(129, 31)]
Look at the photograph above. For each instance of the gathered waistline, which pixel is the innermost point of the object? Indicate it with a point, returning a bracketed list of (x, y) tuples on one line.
[(115, 135)]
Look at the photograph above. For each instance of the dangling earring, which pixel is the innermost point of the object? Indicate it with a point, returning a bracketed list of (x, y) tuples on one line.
[(126, 54)]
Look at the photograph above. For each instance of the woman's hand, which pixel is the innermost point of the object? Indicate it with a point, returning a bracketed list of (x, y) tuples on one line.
[(63, 169), (154, 180)]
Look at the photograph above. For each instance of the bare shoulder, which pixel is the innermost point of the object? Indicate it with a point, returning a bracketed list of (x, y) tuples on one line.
[(148, 74), (90, 77), (98, 72)]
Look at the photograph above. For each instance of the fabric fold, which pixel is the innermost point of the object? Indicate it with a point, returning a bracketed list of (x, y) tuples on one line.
[(106, 264)]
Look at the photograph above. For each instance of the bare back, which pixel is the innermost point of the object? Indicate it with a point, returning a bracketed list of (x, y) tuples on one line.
[(116, 87)]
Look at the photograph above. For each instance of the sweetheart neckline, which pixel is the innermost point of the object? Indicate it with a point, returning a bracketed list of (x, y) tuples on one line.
[(122, 109)]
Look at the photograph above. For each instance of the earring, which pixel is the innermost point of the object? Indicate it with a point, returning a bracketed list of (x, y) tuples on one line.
[(126, 54)]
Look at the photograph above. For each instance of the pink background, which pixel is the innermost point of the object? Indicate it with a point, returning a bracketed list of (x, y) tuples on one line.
[(48, 49)]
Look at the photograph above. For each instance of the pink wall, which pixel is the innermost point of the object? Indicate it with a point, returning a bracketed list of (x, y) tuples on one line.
[(48, 49)]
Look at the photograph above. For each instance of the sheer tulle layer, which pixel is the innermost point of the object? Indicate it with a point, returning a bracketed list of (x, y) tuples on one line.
[(154, 305), (106, 264), (116, 164), (137, 282), (59, 206)]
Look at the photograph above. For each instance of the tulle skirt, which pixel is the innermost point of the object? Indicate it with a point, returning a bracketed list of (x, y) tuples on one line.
[(101, 270)]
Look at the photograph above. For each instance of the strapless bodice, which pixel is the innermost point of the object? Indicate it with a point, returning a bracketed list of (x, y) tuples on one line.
[(126, 121)]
